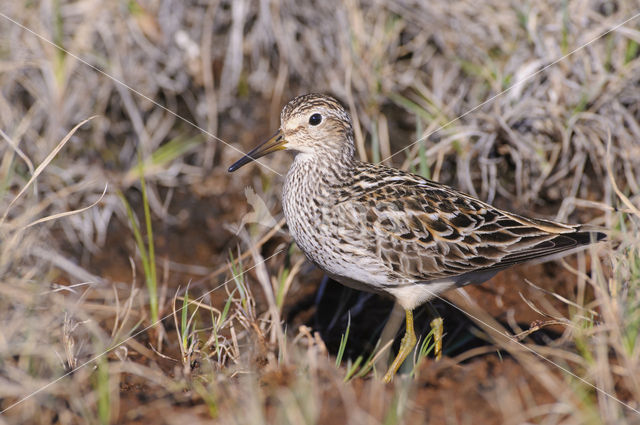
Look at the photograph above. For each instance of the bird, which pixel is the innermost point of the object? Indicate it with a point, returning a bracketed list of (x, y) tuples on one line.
[(380, 229)]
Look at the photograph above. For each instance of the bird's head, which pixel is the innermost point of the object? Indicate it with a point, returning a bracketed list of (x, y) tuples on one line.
[(311, 124)]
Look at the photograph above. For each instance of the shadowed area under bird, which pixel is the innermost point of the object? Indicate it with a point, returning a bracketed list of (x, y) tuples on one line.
[(384, 230)]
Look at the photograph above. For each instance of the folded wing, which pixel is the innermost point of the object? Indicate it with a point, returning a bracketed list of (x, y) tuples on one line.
[(425, 231)]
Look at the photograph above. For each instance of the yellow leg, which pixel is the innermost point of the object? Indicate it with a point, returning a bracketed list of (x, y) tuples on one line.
[(408, 342), (438, 328)]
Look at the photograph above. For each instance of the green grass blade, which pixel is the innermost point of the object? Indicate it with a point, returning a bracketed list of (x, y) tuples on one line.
[(343, 342), (184, 331), (152, 282)]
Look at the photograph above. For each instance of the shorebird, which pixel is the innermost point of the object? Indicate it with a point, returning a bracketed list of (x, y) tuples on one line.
[(384, 230)]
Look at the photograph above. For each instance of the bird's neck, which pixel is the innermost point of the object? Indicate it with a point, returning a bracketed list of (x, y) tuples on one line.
[(329, 167)]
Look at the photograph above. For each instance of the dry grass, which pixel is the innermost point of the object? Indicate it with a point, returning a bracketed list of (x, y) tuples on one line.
[(564, 141)]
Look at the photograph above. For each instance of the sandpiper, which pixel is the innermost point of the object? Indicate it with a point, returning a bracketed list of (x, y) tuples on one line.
[(384, 230)]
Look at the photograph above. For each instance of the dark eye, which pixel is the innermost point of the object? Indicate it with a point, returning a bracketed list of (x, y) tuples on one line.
[(315, 119)]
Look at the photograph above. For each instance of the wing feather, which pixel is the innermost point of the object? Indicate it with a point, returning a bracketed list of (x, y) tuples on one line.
[(430, 231)]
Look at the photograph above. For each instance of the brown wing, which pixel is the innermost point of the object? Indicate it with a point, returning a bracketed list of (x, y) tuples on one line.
[(426, 231)]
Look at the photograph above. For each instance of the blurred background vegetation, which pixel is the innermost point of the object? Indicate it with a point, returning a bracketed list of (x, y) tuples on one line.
[(110, 225)]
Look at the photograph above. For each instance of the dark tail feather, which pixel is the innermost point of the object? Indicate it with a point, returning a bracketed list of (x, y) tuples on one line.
[(561, 243)]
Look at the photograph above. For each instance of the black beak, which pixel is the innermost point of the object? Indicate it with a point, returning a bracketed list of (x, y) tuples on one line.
[(275, 143)]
